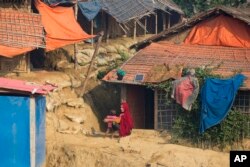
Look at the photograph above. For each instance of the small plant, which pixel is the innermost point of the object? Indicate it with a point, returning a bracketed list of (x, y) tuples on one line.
[(124, 55)]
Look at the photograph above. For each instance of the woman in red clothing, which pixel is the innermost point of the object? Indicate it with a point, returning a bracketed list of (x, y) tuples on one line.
[(126, 122)]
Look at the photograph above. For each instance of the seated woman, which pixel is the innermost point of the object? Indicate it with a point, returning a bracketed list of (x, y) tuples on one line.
[(112, 121)]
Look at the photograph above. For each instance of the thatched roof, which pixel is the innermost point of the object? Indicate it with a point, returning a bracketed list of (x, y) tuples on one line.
[(242, 14)]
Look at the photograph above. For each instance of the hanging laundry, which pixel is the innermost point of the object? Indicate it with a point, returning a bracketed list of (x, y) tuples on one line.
[(185, 90), (217, 97)]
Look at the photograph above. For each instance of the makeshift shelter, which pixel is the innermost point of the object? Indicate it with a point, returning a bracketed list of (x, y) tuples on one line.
[(60, 25), (20, 32), (238, 17), (165, 59), (22, 139), (128, 17)]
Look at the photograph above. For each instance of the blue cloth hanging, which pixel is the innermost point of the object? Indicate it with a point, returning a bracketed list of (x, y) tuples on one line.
[(89, 9), (217, 97)]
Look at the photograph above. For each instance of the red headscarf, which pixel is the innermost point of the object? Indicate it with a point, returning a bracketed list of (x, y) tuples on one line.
[(126, 124)]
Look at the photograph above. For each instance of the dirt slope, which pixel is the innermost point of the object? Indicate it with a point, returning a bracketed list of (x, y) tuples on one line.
[(142, 148)]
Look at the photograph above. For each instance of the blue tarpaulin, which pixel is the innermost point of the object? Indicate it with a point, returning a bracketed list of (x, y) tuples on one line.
[(89, 9), (15, 131), (217, 97), (59, 2)]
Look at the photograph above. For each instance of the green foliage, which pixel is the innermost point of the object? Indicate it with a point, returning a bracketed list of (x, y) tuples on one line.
[(124, 55), (190, 7)]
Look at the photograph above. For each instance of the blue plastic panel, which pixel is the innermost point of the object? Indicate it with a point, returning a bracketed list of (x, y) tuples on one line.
[(40, 130), (14, 131)]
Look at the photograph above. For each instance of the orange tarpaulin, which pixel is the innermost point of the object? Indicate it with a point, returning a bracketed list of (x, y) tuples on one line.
[(60, 25), (220, 31), (11, 52)]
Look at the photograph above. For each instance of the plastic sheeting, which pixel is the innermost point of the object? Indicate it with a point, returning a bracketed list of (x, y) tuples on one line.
[(59, 2), (89, 9), (220, 31), (11, 52), (217, 97), (40, 130), (60, 25), (14, 128)]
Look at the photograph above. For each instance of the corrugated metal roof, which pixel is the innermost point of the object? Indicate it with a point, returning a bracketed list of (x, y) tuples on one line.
[(174, 56), (21, 29), (24, 86), (242, 14)]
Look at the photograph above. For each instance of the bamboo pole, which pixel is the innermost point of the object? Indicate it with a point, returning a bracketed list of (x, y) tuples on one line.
[(75, 45), (145, 24), (92, 62), (155, 109), (156, 23), (108, 28), (92, 31), (164, 23), (134, 30), (169, 21), (28, 62)]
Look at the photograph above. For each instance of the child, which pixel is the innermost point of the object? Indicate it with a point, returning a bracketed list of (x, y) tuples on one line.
[(112, 120)]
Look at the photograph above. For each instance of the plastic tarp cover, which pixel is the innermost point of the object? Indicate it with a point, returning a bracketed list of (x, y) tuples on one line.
[(11, 52), (217, 97), (220, 31), (14, 128), (60, 25), (59, 2), (89, 9), (40, 130)]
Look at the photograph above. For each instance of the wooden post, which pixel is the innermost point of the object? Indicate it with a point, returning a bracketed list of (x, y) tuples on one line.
[(124, 92), (145, 24), (108, 27), (91, 63), (27, 3), (164, 23), (155, 109), (134, 30), (75, 45), (169, 21), (92, 31), (156, 23), (28, 62)]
